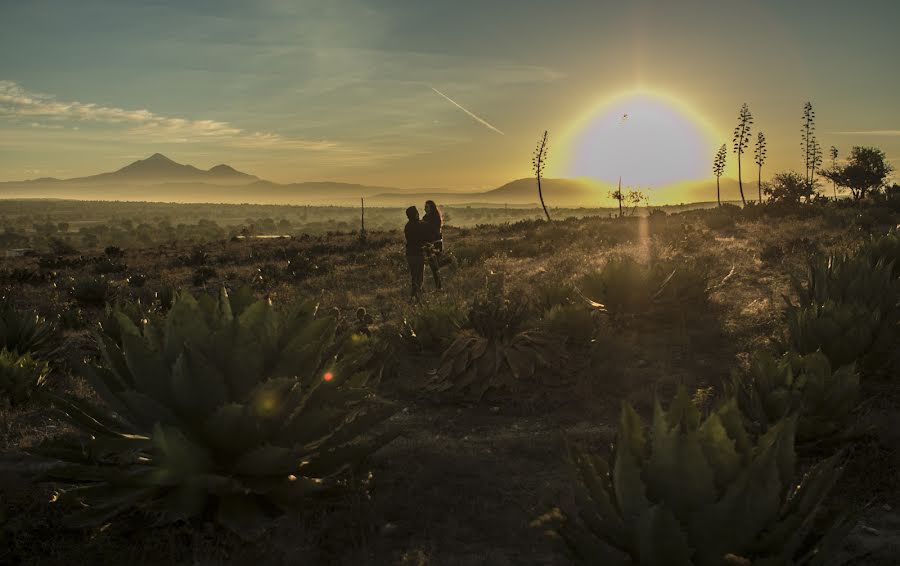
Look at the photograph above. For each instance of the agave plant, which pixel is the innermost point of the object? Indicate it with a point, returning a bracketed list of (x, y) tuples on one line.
[(849, 307), (224, 407), (687, 491), (432, 328), (494, 353), (885, 249), (778, 387), (20, 376), (25, 332), (849, 280)]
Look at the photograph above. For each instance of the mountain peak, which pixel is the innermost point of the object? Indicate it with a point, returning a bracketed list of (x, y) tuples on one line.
[(158, 158)]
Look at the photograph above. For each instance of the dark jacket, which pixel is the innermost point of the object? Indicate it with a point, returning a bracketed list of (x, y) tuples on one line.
[(432, 224), (416, 237)]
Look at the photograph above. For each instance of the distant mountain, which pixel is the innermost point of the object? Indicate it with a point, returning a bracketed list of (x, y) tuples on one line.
[(158, 178), (158, 168)]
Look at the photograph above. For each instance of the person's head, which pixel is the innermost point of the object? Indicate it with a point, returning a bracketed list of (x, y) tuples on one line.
[(412, 213), (431, 208)]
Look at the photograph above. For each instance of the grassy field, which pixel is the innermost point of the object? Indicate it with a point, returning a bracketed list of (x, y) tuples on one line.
[(468, 475)]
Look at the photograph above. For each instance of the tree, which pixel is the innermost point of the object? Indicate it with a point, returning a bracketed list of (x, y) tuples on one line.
[(633, 197), (789, 187), (537, 163), (833, 153), (808, 135), (759, 154), (618, 196), (866, 171), (718, 169), (741, 139)]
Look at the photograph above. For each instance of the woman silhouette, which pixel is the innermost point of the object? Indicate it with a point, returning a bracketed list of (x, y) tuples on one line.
[(434, 239)]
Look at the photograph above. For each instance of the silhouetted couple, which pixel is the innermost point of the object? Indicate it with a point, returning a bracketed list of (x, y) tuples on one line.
[(424, 242)]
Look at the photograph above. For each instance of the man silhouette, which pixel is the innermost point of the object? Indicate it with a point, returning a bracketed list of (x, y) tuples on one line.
[(415, 256)]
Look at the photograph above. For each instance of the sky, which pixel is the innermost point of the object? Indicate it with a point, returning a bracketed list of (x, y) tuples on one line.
[(407, 93)]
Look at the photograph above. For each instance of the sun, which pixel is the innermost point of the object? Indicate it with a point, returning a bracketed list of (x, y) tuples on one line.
[(646, 139)]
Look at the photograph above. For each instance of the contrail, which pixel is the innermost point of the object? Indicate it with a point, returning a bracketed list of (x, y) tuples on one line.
[(454, 103)]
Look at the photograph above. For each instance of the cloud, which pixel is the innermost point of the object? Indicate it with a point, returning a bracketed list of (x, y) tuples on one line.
[(18, 102), (885, 133)]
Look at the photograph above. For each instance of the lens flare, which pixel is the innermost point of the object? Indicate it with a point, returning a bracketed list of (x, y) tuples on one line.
[(646, 139)]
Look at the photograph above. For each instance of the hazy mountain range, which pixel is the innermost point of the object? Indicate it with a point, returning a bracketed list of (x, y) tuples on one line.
[(160, 179)]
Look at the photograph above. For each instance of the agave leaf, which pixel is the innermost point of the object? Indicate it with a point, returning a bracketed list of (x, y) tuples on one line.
[(678, 473), (144, 411), (177, 454), (242, 515), (184, 324), (356, 425), (107, 502), (149, 372), (230, 430), (661, 540), (268, 460), (787, 534), (327, 463), (628, 486), (595, 475), (82, 414), (720, 451), (198, 387), (115, 359), (240, 300), (180, 503)]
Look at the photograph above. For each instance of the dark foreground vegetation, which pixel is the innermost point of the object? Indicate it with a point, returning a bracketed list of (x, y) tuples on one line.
[(281, 401)]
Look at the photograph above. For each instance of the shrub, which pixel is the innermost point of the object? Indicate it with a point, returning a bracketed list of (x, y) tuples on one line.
[(432, 328), (224, 406), (25, 332), (494, 353), (573, 324), (697, 492), (848, 309), (626, 286), (20, 376), (108, 265), (824, 398), (91, 291)]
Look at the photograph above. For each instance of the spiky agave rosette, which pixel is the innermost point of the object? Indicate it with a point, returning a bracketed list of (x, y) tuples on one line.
[(495, 353), (692, 492), (20, 376), (824, 398), (224, 406)]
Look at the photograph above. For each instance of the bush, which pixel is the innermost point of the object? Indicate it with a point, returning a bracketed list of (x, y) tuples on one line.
[(848, 309), (224, 407), (433, 327), (91, 291), (626, 286), (494, 353), (25, 333), (702, 492), (823, 398), (20, 376)]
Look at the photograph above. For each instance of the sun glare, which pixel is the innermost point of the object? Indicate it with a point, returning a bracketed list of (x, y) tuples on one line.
[(646, 139)]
